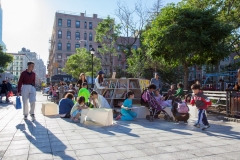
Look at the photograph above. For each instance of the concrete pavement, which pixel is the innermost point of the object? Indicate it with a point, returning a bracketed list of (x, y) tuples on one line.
[(56, 138)]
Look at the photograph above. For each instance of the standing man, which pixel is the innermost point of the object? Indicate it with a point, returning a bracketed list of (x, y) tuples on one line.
[(26, 85), (157, 82)]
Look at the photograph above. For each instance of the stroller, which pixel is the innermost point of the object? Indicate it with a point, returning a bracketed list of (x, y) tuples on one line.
[(175, 110), (153, 106)]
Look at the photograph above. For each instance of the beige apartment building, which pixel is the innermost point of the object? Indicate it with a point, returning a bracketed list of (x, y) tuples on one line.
[(71, 31)]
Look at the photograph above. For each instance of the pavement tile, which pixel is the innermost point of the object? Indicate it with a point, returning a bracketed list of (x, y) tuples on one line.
[(16, 152), (113, 156), (134, 153), (21, 157), (100, 145), (86, 152), (79, 141), (65, 155), (40, 157), (125, 148), (23, 146), (82, 146), (61, 148), (106, 150), (40, 144), (91, 157), (40, 150)]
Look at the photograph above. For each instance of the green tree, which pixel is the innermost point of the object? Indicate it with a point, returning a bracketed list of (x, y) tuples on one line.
[(185, 36), (5, 59), (81, 62), (106, 34)]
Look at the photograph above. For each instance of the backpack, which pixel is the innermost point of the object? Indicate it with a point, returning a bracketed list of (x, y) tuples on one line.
[(182, 107), (144, 98)]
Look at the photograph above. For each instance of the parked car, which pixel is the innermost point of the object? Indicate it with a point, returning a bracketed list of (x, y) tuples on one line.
[(46, 90)]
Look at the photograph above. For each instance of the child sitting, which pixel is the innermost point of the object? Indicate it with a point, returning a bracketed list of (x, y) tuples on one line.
[(77, 108), (160, 100), (126, 113), (84, 92)]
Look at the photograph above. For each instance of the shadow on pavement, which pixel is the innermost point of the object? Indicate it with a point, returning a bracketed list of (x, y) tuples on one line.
[(40, 136)]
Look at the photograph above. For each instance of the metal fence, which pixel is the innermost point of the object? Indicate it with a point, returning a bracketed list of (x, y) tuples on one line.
[(233, 103)]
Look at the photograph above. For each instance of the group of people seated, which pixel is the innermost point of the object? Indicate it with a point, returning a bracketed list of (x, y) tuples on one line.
[(69, 108)]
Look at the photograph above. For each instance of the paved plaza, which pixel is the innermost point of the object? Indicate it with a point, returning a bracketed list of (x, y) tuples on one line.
[(56, 138)]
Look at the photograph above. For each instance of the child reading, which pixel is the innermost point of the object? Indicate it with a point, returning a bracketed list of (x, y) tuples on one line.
[(77, 108), (126, 113)]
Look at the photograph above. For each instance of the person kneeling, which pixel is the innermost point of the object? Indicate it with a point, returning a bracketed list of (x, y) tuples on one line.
[(77, 109), (126, 112)]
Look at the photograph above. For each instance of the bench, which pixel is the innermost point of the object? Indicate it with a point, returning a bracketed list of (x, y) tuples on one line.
[(219, 96)]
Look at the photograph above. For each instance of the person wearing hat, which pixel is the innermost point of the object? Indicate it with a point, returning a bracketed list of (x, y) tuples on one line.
[(99, 81), (157, 82)]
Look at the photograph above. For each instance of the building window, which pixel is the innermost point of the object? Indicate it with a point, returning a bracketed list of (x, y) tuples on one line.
[(68, 56), (69, 46), (16, 73), (69, 23), (68, 35), (77, 24), (90, 25), (59, 70), (85, 36), (90, 36), (85, 25), (59, 56), (59, 22), (59, 46), (77, 45), (77, 35), (59, 34)]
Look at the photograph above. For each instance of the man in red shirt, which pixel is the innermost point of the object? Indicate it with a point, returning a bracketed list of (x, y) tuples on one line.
[(26, 85)]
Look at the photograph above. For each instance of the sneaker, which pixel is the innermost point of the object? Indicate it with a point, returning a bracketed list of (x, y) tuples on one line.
[(186, 122), (205, 127), (33, 117), (25, 117), (118, 117), (197, 125)]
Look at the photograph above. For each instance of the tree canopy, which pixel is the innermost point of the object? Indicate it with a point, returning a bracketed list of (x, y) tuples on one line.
[(81, 62), (5, 59), (106, 34), (183, 35)]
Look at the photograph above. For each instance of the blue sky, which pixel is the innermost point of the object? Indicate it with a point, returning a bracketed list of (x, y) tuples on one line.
[(28, 23)]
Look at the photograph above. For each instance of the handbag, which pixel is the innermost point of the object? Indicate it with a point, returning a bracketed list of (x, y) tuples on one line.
[(18, 103)]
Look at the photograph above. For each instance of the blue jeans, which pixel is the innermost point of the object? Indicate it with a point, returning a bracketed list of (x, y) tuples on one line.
[(128, 115)]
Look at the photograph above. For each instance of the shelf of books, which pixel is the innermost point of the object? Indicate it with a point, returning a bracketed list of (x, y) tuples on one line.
[(116, 90)]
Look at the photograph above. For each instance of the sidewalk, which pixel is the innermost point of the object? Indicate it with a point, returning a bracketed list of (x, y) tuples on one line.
[(56, 138)]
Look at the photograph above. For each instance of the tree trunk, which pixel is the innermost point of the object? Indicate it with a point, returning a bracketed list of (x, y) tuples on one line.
[(186, 73)]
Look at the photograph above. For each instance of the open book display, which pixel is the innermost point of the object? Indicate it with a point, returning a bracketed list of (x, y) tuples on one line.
[(117, 89)]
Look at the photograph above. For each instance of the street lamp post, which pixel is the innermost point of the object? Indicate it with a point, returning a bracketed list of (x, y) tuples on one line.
[(86, 44), (92, 51)]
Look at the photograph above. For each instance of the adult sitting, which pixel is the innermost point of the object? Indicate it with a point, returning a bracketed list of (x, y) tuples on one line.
[(99, 82), (82, 79), (65, 105), (98, 100)]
